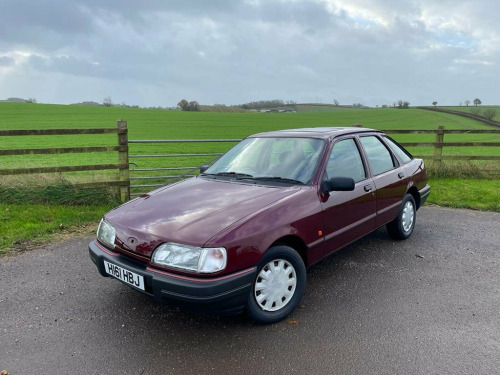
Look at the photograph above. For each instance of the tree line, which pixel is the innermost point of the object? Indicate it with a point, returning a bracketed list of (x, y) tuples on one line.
[(266, 104)]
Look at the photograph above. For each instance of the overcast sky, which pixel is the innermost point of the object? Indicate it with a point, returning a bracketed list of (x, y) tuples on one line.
[(154, 53)]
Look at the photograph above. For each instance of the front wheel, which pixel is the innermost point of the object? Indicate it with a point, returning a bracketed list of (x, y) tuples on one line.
[(278, 286), (402, 226)]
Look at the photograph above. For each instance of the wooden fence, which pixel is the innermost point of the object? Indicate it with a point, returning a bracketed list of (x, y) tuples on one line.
[(439, 144), (141, 185), (121, 148)]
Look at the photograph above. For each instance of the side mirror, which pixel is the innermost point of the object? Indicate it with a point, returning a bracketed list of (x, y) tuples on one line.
[(203, 168), (337, 184)]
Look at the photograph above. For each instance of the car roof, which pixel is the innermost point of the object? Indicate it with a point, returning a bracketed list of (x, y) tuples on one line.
[(319, 132)]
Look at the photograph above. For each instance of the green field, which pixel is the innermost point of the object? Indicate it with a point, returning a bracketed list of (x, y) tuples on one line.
[(468, 109), (160, 124), (45, 219)]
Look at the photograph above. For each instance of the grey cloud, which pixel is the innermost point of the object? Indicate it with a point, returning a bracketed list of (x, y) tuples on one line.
[(44, 23), (236, 51), (6, 61)]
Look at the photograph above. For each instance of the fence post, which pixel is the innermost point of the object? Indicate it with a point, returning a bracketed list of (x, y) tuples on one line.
[(438, 149), (123, 159)]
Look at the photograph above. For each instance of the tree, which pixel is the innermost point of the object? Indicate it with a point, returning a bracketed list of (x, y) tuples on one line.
[(402, 104), (183, 104), (467, 102), (434, 103), (477, 102), (262, 104), (193, 106), (336, 102), (107, 102)]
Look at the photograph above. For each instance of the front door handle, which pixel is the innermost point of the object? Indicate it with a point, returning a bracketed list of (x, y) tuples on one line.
[(401, 174), (368, 187)]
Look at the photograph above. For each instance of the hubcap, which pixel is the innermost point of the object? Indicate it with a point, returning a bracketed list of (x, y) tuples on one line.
[(275, 285), (408, 216)]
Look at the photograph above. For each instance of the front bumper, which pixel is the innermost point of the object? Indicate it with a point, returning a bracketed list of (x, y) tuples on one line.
[(424, 193), (224, 295)]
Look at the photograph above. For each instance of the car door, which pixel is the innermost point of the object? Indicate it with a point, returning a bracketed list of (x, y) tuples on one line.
[(389, 178), (348, 215)]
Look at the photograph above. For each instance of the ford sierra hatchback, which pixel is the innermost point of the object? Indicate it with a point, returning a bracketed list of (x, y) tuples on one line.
[(240, 235)]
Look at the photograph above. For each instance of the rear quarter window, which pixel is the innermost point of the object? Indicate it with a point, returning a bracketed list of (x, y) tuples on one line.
[(379, 156), (404, 155)]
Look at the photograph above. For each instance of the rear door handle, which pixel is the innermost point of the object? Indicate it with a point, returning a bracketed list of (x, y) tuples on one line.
[(401, 174), (368, 187)]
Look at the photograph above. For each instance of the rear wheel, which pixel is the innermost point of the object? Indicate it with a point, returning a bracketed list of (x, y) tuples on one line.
[(402, 226), (278, 286)]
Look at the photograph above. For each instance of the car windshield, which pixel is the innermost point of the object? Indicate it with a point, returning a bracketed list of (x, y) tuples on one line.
[(290, 160)]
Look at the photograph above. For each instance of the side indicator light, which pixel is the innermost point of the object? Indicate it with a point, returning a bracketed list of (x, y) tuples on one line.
[(320, 233)]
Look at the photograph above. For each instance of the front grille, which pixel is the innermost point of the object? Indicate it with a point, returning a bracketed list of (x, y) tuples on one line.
[(131, 254)]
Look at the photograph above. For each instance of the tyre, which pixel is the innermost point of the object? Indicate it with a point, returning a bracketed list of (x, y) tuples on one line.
[(278, 286), (402, 226)]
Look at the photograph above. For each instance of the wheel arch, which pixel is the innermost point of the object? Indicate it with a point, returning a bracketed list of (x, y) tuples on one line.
[(295, 243), (416, 196)]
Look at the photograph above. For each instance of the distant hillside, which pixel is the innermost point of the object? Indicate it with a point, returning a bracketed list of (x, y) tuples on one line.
[(476, 113), (479, 110), (317, 107), (221, 108), (14, 100), (89, 103)]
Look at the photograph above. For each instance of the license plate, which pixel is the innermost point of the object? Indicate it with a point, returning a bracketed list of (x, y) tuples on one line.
[(128, 277)]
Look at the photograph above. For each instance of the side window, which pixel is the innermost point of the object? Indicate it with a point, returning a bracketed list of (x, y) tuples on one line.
[(345, 161), (379, 157), (404, 156)]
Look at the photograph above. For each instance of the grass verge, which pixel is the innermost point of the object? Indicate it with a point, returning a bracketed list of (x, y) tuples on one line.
[(32, 215), (24, 226), (61, 194), (465, 193)]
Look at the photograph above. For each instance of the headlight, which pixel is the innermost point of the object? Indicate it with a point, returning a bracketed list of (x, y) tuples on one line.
[(106, 233), (191, 258)]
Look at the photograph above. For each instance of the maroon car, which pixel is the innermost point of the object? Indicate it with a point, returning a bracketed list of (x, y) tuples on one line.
[(241, 234)]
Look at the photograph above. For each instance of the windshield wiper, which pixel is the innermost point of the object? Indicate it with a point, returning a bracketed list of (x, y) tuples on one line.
[(229, 174), (275, 178)]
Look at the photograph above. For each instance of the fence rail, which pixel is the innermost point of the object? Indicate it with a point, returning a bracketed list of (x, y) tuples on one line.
[(70, 150), (189, 170), (122, 167), (4, 133)]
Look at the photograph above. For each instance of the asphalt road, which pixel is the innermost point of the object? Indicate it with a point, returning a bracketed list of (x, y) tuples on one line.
[(428, 305)]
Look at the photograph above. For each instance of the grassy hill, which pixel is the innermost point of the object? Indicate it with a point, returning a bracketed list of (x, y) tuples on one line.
[(318, 107), (178, 124), (481, 108)]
